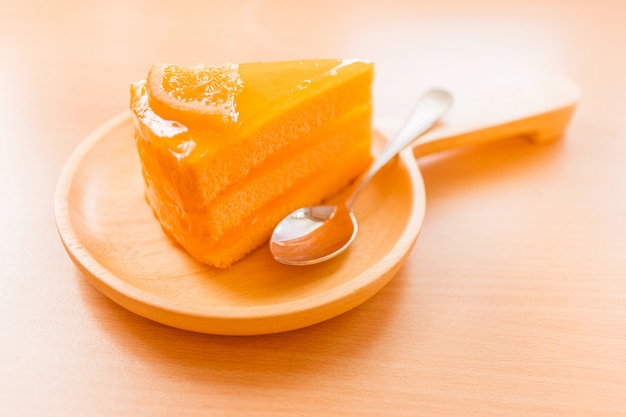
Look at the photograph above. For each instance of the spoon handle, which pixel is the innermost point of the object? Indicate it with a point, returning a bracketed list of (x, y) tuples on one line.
[(429, 109)]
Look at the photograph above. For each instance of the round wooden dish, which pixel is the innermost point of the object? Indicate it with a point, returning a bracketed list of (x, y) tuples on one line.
[(111, 234)]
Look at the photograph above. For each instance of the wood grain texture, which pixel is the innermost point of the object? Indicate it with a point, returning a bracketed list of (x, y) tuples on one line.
[(512, 302)]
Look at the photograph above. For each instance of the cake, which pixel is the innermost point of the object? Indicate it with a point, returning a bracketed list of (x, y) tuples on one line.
[(227, 151)]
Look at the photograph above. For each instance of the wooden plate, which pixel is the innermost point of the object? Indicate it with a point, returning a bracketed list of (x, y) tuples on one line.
[(111, 234)]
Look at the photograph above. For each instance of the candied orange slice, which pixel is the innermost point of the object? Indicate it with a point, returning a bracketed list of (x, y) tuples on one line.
[(198, 96)]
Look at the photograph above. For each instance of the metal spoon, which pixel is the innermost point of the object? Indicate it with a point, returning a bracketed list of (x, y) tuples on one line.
[(315, 234)]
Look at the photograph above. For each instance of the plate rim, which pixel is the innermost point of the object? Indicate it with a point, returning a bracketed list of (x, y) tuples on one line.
[(144, 303)]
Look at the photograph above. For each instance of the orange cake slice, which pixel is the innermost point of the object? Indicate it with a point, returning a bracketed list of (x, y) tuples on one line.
[(228, 151)]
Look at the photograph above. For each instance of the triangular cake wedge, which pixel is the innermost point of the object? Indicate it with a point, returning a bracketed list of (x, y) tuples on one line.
[(228, 151)]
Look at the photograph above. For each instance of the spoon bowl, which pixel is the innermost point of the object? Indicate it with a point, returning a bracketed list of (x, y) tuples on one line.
[(325, 232)]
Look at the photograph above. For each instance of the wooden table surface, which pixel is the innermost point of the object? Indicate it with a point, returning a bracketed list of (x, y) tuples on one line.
[(512, 303)]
